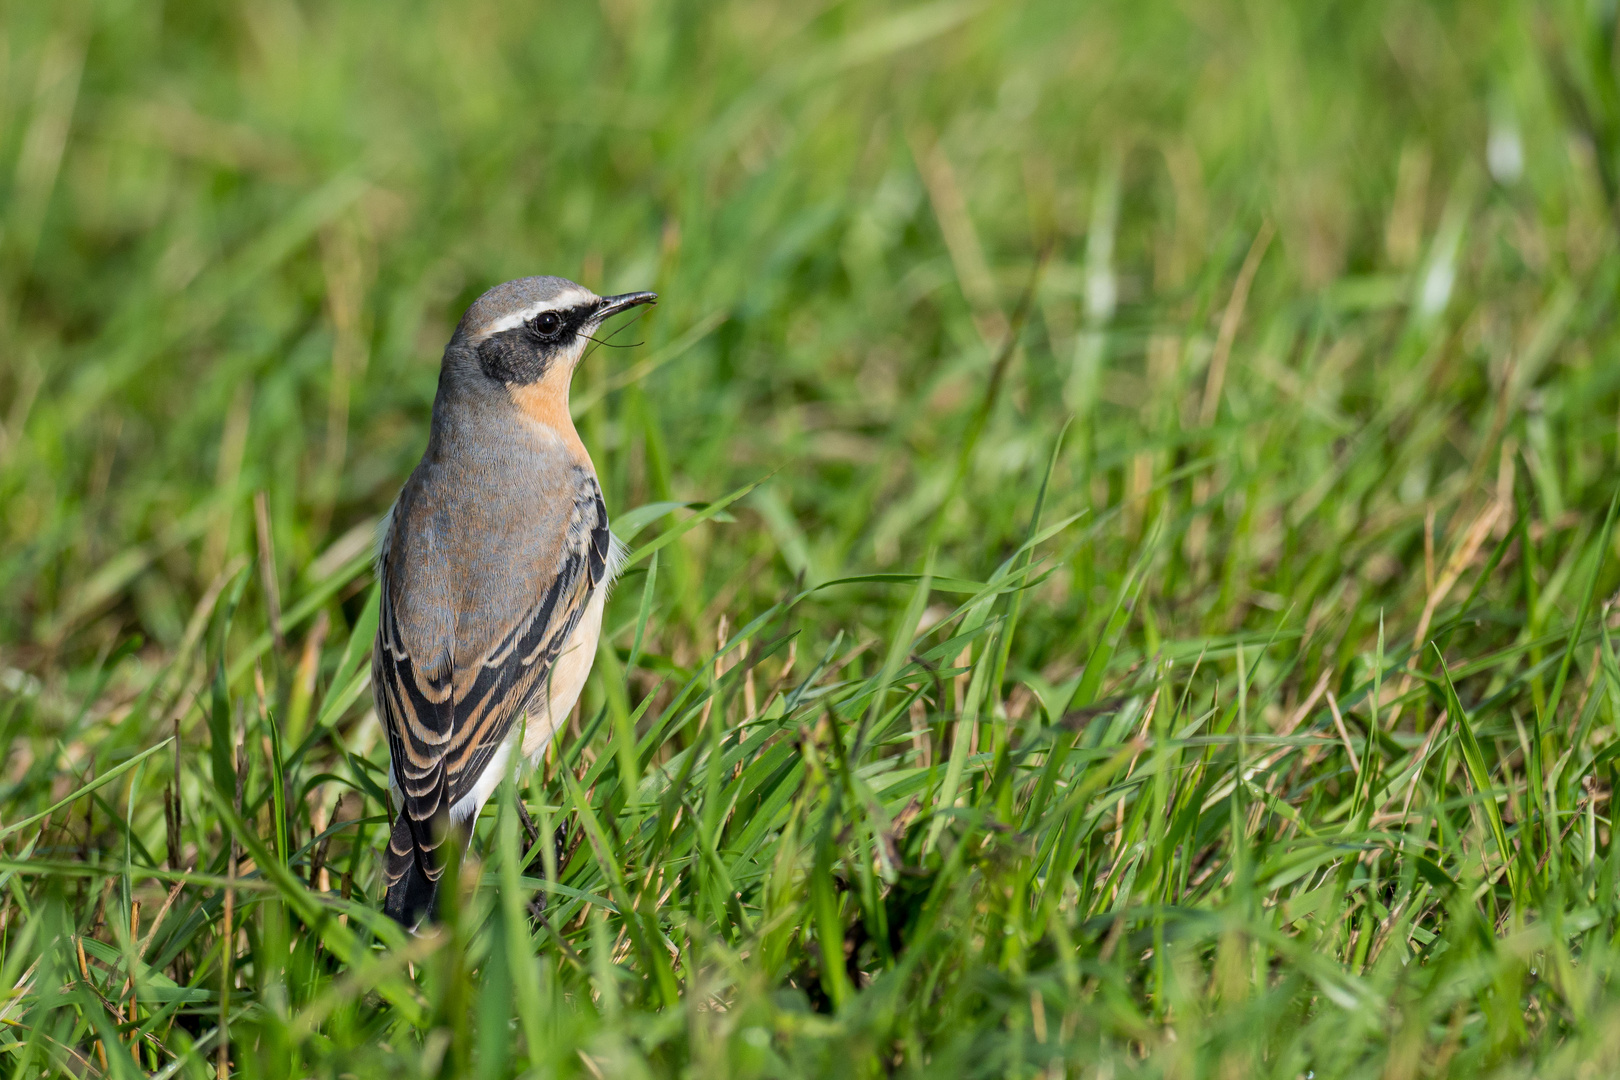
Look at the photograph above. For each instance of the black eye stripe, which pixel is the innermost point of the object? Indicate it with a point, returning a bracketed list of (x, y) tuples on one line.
[(523, 354), (551, 327)]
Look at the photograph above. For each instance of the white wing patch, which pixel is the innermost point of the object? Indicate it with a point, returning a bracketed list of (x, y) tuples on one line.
[(618, 554)]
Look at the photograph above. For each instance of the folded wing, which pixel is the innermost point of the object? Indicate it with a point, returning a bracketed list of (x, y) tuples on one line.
[(458, 659)]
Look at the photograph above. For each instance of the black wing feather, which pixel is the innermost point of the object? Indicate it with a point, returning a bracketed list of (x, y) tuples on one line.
[(442, 736)]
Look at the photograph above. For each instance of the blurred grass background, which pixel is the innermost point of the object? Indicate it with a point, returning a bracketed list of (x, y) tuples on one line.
[(1289, 753)]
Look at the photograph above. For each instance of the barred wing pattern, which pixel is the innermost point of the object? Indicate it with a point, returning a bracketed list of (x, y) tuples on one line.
[(447, 716)]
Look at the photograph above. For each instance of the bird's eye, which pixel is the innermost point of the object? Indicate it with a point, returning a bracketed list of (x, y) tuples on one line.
[(547, 324)]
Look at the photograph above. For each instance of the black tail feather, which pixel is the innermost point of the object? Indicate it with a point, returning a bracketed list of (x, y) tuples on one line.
[(411, 892)]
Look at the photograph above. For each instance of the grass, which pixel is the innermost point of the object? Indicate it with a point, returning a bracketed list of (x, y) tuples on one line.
[(1124, 502)]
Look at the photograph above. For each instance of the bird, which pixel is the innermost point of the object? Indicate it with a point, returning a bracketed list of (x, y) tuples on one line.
[(493, 564)]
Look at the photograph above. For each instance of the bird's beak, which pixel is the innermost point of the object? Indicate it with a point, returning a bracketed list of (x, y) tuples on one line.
[(612, 305)]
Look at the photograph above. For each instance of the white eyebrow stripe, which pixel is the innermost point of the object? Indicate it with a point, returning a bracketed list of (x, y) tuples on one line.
[(566, 299)]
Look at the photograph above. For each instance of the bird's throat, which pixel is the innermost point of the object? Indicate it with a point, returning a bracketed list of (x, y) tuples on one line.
[(546, 402)]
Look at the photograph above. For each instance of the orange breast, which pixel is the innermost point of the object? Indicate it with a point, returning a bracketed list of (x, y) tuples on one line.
[(546, 402)]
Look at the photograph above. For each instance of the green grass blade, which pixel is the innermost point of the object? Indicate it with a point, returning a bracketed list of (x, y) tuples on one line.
[(1474, 759)]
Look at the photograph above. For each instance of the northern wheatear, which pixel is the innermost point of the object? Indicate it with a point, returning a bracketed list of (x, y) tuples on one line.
[(494, 565)]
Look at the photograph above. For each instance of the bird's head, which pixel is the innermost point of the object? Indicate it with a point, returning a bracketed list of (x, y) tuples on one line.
[(535, 329)]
